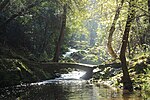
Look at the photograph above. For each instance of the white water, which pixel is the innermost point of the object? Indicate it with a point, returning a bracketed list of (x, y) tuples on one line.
[(72, 50), (67, 54), (72, 75)]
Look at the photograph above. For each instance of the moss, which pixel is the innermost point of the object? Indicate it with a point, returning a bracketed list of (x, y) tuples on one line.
[(15, 71), (90, 59), (140, 63), (21, 66), (139, 70)]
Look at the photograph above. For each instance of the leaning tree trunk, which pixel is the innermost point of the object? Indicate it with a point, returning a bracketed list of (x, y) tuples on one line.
[(111, 31), (61, 36), (127, 83)]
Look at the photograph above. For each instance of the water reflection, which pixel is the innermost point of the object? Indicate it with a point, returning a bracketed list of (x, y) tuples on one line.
[(64, 90), (72, 75)]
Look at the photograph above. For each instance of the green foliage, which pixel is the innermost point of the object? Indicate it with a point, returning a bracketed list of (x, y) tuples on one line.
[(13, 71), (44, 56), (34, 33), (141, 62), (146, 81), (67, 60)]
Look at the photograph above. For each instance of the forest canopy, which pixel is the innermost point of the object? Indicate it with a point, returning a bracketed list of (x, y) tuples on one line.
[(35, 25), (101, 31)]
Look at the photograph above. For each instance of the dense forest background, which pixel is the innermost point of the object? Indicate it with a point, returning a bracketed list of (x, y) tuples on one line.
[(43, 30), (33, 27)]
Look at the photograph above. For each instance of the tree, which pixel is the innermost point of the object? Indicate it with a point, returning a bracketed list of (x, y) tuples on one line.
[(127, 83), (19, 13), (61, 36), (111, 31), (4, 4), (149, 9)]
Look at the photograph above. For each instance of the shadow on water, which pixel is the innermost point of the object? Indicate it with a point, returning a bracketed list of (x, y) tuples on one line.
[(67, 87), (61, 90), (64, 90)]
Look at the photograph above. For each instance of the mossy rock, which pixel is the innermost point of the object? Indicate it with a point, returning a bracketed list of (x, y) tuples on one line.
[(9, 78), (67, 59), (78, 55), (90, 59)]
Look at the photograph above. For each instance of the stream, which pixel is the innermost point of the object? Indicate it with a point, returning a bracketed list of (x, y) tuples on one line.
[(67, 87), (64, 90), (71, 50)]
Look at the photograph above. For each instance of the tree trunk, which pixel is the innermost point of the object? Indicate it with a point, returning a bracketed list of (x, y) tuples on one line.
[(149, 10), (127, 83), (111, 31), (129, 49), (61, 36)]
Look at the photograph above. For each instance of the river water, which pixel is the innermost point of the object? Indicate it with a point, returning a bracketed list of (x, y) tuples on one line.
[(64, 90), (66, 87)]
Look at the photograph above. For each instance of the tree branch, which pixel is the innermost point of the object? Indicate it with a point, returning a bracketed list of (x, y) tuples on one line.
[(4, 4), (23, 10), (145, 11)]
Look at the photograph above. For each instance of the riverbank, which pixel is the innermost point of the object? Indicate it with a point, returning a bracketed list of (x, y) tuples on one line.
[(14, 70), (139, 70)]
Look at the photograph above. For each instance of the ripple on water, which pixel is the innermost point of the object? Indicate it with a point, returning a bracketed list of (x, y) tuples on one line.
[(64, 88)]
